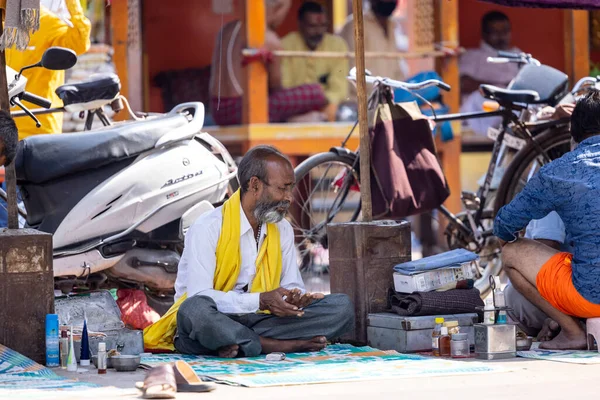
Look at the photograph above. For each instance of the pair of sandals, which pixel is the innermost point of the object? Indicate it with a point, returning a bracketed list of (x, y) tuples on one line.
[(164, 381)]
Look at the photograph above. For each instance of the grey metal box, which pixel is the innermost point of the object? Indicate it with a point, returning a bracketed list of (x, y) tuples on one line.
[(494, 342), (387, 331)]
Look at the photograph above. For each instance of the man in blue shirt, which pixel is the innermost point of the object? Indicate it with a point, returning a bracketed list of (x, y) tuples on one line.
[(564, 286)]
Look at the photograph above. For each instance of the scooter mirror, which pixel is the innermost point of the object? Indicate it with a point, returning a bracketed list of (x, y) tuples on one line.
[(58, 58)]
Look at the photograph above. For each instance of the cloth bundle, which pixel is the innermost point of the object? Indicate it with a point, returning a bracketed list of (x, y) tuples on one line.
[(456, 301), (22, 17)]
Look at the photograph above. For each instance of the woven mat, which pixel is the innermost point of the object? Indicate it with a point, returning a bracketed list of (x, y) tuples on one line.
[(337, 363), (565, 356)]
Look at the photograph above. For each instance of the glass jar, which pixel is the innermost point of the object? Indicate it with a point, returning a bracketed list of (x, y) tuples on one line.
[(459, 346)]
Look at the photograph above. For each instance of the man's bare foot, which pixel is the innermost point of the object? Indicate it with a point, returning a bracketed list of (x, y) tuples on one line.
[(229, 351), (317, 343), (563, 341), (549, 330)]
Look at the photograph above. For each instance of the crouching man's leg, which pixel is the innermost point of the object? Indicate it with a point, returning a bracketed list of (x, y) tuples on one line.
[(534, 268), (203, 330), (323, 320)]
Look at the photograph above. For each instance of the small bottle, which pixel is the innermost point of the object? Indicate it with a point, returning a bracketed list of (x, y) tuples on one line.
[(500, 302), (52, 343), (435, 336), (453, 327), (459, 346), (489, 313), (64, 349), (84, 358), (72, 360), (101, 358), (444, 342)]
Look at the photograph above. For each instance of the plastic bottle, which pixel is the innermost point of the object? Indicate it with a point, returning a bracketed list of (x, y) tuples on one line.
[(435, 336), (72, 360), (84, 359), (500, 302), (64, 349), (489, 317), (459, 346), (101, 358), (445, 343), (52, 343)]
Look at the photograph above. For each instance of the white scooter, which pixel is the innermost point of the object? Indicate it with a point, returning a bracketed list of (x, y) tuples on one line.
[(118, 200)]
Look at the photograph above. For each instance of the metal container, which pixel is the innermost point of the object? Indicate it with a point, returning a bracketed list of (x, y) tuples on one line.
[(125, 363), (387, 331), (494, 342)]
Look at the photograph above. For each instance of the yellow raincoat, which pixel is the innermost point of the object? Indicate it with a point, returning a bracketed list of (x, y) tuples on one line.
[(53, 32)]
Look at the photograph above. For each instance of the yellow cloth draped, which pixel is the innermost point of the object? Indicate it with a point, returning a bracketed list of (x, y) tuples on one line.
[(159, 336)]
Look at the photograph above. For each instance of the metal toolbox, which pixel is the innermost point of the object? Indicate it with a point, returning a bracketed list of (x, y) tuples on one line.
[(103, 316), (387, 331), (494, 342)]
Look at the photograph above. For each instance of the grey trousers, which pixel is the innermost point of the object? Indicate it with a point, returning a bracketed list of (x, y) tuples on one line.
[(529, 318), (202, 329)]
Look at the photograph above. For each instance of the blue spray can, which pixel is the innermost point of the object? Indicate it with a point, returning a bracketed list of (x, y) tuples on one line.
[(52, 341)]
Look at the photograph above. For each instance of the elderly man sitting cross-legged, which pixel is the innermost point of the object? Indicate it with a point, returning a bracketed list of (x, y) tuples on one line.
[(566, 287), (239, 263)]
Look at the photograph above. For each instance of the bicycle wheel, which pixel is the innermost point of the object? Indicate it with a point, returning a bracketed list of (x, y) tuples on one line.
[(325, 192), (528, 161)]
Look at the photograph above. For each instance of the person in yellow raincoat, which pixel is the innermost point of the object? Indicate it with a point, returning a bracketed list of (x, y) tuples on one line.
[(54, 31)]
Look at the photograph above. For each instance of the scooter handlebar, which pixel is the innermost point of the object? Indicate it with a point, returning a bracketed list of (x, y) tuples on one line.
[(37, 100)]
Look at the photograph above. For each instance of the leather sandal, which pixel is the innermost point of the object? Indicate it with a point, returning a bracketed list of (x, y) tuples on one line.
[(188, 381), (159, 383)]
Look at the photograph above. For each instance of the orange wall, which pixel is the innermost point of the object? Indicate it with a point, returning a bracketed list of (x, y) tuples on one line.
[(183, 36), (535, 31)]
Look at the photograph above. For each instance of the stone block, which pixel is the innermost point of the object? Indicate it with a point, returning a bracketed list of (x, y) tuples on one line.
[(26, 290)]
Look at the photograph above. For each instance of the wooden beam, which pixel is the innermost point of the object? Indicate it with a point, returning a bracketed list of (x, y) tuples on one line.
[(119, 22), (256, 92), (10, 174), (577, 44), (340, 14), (447, 33), (363, 127)]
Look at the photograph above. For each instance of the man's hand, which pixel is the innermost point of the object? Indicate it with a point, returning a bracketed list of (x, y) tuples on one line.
[(273, 301), (302, 300)]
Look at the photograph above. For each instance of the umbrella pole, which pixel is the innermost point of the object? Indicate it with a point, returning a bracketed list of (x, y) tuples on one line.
[(365, 144)]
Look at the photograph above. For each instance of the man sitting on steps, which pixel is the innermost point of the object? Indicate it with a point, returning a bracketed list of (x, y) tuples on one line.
[(238, 278)]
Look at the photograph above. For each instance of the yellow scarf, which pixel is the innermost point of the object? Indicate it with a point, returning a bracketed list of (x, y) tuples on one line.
[(159, 336)]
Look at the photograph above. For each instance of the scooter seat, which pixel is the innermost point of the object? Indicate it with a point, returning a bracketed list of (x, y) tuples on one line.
[(94, 93), (42, 158)]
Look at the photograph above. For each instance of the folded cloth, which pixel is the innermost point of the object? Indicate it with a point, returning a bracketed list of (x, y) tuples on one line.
[(457, 301), (449, 259)]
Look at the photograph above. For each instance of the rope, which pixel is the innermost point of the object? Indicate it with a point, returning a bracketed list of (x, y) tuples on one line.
[(252, 53)]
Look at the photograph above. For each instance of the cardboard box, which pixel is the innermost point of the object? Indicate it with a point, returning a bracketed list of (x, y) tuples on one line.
[(435, 279)]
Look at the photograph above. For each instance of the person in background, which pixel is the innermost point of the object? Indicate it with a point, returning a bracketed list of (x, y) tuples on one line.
[(379, 32), (330, 73), (302, 103), (475, 70), (54, 30)]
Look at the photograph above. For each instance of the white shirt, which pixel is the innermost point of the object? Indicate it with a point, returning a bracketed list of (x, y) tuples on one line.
[(473, 63), (198, 263)]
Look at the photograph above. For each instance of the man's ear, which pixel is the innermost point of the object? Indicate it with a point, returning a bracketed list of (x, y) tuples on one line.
[(254, 184)]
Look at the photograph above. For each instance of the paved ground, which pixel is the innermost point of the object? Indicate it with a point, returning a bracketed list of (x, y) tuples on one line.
[(532, 380)]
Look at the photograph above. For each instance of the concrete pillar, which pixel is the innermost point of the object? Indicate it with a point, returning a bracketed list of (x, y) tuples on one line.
[(361, 260), (26, 290)]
